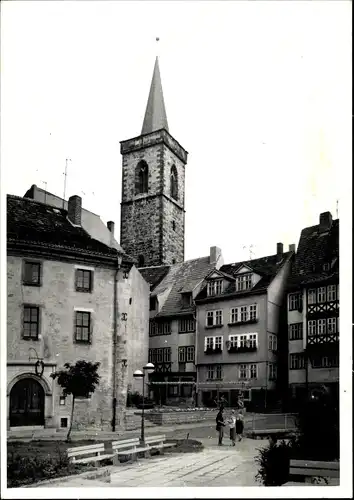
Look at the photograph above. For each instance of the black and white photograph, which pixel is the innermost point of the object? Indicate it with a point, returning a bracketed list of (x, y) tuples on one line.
[(176, 249)]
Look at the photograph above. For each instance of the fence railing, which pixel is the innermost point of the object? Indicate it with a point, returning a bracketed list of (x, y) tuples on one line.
[(280, 421)]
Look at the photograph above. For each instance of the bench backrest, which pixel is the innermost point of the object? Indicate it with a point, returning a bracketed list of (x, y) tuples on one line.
[(155, 439), (79, 451), (125, 444), (314, 468)]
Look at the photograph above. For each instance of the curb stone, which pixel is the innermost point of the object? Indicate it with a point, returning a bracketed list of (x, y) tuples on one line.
[(94, 474)]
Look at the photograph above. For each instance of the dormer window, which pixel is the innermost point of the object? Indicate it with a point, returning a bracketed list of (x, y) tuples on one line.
[(244, 282), (187, 299), (215, 287)]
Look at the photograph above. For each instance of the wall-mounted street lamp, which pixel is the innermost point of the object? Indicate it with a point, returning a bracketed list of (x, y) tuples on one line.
[(148, 368), (39, 365), (124, 363)]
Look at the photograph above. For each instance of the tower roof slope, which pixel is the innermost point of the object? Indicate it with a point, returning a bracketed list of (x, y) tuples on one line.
[(155, 114)]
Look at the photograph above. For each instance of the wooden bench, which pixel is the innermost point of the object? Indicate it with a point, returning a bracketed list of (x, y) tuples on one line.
[(90, 453), (311, 470), (133, 447)]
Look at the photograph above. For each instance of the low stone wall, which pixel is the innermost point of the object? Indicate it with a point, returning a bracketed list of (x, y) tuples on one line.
[(179, 416)]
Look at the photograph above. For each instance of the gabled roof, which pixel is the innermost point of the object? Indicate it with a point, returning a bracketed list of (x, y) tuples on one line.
[(155, 114), (316, 249), (180, 278), (34, 223), (266, 267), (220, 275), (153, 275)]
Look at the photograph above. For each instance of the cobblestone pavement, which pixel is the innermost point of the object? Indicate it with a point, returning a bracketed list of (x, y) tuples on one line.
[(214, 466)]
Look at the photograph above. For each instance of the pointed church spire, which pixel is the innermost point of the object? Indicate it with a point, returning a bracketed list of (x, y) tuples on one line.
[(155, 114)]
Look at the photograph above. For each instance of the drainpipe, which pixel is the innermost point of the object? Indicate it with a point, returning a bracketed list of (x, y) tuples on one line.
[(115, 335)]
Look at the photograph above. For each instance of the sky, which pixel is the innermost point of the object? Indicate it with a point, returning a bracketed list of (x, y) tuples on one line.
[(258, 93)]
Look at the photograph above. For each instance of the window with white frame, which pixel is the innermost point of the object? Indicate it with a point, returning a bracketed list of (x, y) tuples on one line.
[(186, 325), (244, 313), (272, 371), (311, 296), (321, 294), (331, 292), (181, 355), (234, 315), (243, 372), (253, 311), (272, 342), (233, 340), (186, 354), (166, 354), (332, 325), (243, 340), (295, 331), (312, 327), (218, 372), (159, 355), (214, 287), (213, 343), (321, 326), (215, 372), (190, 354), (252, 339), (214, 318), (253, 371), (297, 361), (244, 282), (295, 301)]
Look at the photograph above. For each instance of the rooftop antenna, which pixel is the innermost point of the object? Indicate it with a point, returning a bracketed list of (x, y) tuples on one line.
[(45, 190), (65, 175)]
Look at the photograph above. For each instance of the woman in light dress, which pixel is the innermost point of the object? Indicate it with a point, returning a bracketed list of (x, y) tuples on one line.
[(232, 425)]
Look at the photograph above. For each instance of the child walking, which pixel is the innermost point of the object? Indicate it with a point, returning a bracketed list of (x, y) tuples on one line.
[(232, 425)]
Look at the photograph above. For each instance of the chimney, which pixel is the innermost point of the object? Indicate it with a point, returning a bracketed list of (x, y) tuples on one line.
[(215, 253), (110, 226), (292, 247), (74, 210), (325, 222), (280, 247)]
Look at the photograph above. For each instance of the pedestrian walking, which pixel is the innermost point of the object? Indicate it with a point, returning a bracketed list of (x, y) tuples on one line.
[(239, 425), (220, 424), (232, 425)]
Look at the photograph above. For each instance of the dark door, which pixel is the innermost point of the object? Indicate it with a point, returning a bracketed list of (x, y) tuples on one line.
[(26, 403)]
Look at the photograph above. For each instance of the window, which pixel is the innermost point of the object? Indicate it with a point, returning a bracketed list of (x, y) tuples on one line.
[(272, 371), (326, 266), (82, 326), (215, 372), (62, 400), (173, 183), (142, 177), (83, 280), (233, 340), (311, 296), (325, 362), (63, 422), (30, 322), (211, 372), (187, 299), (243, 340), (213, 343), (218, 372), (272, 342), (173, 225), (295, 331), (244, 282), (234, 315), (243, 372), (186, 325), (332, 325), (32, 273), (186, 354), (253, 371), (214, 318), (214, 287), (173, 261), (312, 327), (297, 361), (331, 292), (321, 327), (159, 328), (295, 301), (166, 354), (252, 338), (253, 311), (159, 355), (153, 303), (244, 313), (321, 294), (141, 261)]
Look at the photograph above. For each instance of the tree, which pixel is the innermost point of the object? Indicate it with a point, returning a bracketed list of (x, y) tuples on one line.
[(79, 380)]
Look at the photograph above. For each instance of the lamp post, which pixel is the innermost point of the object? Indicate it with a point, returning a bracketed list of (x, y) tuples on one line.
[(148, 368)]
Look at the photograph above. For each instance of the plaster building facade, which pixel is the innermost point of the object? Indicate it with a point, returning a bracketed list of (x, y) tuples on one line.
[(238, 313), (173, 326), (313, 312), (70, 297)]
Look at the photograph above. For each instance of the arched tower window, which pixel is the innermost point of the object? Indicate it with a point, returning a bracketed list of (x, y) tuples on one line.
[(141, 261), (173, 182), (141, 177)]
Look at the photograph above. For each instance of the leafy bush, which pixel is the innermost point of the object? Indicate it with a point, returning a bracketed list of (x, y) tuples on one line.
[(273, 462), (26, 469)]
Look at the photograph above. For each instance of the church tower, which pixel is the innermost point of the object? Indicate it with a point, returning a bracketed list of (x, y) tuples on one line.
[(152, 207)]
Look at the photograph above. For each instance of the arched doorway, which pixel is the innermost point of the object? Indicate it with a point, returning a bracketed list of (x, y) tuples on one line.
[(26, 403)]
